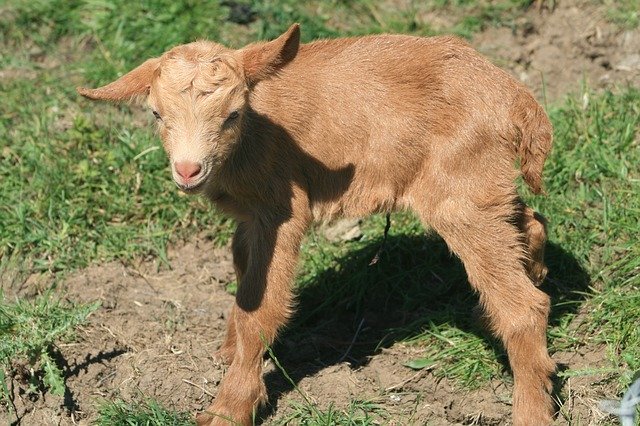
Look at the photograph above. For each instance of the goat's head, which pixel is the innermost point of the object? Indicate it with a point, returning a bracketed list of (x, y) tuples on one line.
[(198, 93)]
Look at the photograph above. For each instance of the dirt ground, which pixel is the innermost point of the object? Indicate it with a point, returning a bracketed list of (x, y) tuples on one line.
[(559, 51), (158, 326)]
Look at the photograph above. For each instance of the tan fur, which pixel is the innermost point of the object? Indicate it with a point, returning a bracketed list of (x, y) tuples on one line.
[(351, 127)]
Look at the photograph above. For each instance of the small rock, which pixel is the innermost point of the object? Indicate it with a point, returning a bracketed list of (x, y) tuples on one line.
[(631, 40), (629, 63), (342, 230), (240, 13)]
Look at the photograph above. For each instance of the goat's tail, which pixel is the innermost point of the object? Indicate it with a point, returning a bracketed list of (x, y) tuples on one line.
[(535, 137)]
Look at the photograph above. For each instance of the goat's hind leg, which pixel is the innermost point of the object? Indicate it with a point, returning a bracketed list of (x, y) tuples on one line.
[(491, 249)]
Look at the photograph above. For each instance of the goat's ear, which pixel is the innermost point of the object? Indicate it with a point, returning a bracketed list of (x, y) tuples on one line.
[(261, 60), (132, 86)]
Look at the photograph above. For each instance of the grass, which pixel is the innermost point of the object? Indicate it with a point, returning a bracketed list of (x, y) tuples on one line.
[(28, 332), (625, 13), (595, 206), (86, 184), (357, 413), (146, 413)]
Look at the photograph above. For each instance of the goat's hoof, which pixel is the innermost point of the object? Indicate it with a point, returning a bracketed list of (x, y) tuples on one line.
[(219, 415), (208, 418), (203, 419)]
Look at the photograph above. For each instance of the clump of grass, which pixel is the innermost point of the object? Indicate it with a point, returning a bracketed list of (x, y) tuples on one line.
[(458, 355), (625, 13), (358, 413), (594, 182), (145, 413), (614, 322), (29, 330)]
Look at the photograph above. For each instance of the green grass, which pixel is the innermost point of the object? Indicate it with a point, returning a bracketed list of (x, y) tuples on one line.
[(625, 13), (28, 332), (146, 413), (357, 413), (594, 202), (84, 184)]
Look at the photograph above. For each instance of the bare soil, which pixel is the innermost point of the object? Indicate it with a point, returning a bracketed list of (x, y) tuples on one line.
[(560, 51), (158, 326)]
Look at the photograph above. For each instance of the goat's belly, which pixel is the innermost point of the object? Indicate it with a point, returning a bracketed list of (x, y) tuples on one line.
[(358, 201)]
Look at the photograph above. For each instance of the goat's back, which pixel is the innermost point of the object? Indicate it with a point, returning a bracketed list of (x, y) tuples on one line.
[(397, 108)]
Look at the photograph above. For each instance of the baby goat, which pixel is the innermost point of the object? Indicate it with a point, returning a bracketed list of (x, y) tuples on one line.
[(279, 134)]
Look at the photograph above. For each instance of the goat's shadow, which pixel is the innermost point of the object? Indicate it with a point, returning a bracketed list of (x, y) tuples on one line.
[(417, 281)]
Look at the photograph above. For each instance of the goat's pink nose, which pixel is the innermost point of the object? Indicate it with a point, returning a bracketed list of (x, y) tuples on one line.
[(187, 169)]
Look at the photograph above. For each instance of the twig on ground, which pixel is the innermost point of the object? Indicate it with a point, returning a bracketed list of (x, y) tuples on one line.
[(376, 258), (202, 388), (353, 341), (135, 272), (405, 381)]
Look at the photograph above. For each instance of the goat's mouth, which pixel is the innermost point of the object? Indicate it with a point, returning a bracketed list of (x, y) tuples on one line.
[(193, 186)]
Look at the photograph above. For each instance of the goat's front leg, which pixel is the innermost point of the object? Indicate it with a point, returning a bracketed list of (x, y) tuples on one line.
[(240, 251), (263, 305)]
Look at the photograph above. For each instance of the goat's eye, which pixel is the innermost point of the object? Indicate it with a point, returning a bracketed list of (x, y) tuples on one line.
[(156, 114), (233, 115)]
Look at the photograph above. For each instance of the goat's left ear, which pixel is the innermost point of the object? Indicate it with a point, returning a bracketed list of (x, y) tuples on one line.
[(131, 86), (261, 60)]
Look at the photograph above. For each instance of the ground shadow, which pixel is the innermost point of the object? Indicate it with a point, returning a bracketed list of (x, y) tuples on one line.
[(69, 402), (417, 281)]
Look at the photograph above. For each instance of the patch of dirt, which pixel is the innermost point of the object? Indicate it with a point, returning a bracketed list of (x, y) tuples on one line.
[(158, 328), (155, 333), (557, 51), (407, 396)]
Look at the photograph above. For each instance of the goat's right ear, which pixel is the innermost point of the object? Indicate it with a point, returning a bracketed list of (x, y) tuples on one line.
[(131, 86)]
